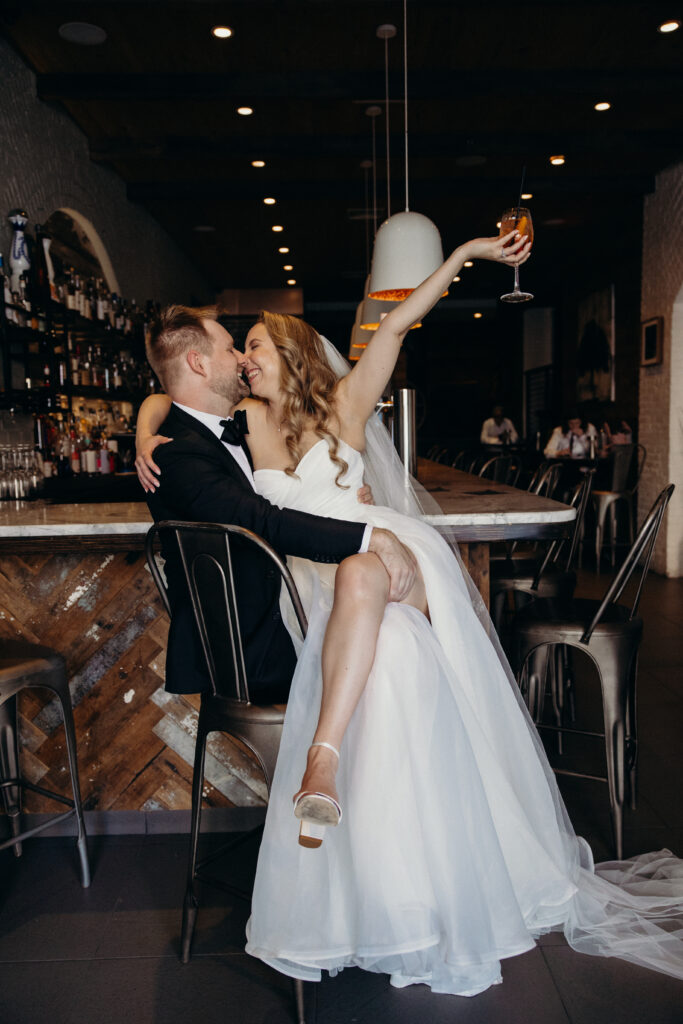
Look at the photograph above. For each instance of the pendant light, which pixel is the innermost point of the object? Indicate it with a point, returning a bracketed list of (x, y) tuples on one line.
[(372, 310), (408, 245), (358, 340)]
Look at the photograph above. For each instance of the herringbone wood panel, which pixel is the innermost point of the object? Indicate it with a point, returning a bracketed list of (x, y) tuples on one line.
[(135, 741)]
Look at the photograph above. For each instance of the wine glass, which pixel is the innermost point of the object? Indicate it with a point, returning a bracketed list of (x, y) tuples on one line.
[(517, 219)]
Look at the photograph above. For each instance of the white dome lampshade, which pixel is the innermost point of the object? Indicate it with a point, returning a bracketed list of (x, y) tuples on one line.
[(374, 310), (407, 250)]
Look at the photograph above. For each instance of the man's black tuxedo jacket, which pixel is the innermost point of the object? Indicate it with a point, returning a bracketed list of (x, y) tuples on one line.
[(201, 482)]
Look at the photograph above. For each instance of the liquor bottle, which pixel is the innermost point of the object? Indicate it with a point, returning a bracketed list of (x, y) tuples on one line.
[(75, 361), (96, 368), (104, 456), (71, 290), (19, 259), (75, 451), (24, 292), (42, 444), (84, 373)]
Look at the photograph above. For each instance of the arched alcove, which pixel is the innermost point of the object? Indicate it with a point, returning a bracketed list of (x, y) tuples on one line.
[(76, 243)]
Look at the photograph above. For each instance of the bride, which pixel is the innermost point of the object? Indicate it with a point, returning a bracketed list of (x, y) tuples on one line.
[(447, 846)]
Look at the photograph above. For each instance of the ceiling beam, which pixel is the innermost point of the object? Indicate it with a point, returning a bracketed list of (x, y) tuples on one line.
[(338, 85)]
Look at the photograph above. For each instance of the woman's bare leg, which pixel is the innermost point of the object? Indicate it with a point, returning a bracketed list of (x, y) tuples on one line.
[(361, 591)]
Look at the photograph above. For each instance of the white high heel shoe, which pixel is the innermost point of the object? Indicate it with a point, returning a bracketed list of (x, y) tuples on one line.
[(316, 811)]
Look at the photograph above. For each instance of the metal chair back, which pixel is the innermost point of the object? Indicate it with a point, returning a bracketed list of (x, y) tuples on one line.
[(622, 458), (579, 501), (545, 480), (206, 552), (642, 549), (504, 469), (462, 460)]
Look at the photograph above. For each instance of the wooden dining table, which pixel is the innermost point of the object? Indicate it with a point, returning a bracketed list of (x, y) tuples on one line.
[(476, 511)]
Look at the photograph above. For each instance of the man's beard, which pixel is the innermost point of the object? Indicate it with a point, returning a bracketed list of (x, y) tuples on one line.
[(232, 388)]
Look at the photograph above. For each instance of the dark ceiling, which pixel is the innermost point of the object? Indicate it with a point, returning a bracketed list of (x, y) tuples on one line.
[(493, 86)]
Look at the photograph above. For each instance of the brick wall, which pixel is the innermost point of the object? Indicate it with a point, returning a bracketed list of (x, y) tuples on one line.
[(660, 423), (45, 166)]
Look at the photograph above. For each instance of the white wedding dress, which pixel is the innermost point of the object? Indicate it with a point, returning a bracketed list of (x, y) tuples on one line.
[(455, 850)]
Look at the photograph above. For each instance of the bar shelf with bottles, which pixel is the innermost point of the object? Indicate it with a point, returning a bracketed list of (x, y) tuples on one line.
[(73, 359)]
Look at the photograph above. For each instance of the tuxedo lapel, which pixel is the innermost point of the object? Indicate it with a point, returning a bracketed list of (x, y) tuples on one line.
[(179, 423)]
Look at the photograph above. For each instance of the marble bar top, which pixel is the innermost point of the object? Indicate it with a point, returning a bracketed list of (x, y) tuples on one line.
[(480, 509), (38, 519), (474, 508)]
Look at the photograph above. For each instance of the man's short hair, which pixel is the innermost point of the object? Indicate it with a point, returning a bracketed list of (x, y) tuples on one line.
[(177, 330)]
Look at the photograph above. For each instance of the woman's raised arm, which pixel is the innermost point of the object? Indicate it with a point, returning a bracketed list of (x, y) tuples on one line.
[(359, 391)]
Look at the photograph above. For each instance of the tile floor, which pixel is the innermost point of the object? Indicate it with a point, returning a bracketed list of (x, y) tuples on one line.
[(109, 955)]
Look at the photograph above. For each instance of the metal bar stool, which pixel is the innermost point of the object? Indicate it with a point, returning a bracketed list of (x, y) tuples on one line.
[(206, 554), (609, 633), (546, 577), (24, 665)]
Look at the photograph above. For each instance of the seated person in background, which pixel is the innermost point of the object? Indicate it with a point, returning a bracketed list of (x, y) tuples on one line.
[(498, 429), (615, 432), (571, 438)]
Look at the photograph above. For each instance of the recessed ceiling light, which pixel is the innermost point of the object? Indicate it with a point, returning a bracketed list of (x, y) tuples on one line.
[(258, 163), (557, 161), (603, 105), (288, 266), (277, 227), (221, 31), (205, 228), (283, 248), (526, 195), (669, 26), (245, 111), (468, 263), (478, 316), (457, 278), (291, 281), (269, 201), (83, 33)]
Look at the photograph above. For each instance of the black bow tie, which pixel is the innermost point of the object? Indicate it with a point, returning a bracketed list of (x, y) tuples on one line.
[(235, 429)]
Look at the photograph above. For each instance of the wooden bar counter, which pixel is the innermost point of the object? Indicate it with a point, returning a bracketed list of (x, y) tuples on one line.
[(74, 577)]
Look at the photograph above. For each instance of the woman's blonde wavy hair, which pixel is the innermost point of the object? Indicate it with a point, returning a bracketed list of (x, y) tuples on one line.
[(308, 383)]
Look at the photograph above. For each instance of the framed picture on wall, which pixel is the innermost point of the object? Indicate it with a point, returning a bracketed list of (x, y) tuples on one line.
[(651, 341)]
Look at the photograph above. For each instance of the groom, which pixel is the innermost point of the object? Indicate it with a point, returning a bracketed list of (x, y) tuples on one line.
[(206, 476)]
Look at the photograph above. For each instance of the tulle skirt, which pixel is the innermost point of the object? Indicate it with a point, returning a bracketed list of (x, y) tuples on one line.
[(455, 850)]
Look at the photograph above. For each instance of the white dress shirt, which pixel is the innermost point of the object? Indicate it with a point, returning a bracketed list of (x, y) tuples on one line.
[(213, 423), (491, 431), (578, 445)]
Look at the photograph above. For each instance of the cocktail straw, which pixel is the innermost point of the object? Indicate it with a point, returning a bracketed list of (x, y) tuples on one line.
[(521, 189)]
